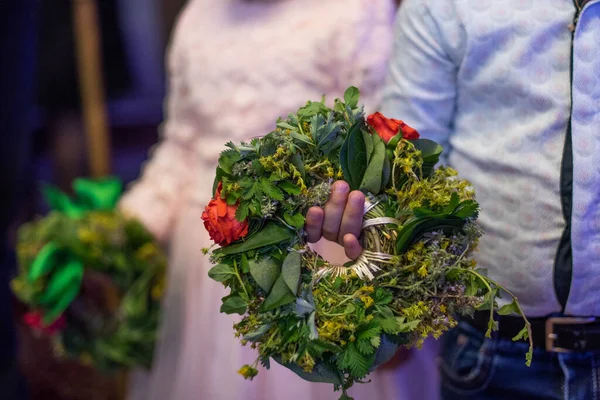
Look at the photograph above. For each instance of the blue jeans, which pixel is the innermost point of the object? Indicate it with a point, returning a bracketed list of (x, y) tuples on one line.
[(475, 367)]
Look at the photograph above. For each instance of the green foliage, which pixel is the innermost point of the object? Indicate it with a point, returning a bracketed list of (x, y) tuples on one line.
[(265, 272), (233, 305), (328, 323)]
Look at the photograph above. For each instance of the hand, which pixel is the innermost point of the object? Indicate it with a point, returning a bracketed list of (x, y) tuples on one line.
[(340, 221)]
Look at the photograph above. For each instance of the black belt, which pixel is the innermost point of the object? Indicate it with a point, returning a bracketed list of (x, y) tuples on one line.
[(554, 334)]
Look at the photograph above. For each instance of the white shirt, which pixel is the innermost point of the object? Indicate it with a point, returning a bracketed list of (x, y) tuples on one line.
[(490, 80)]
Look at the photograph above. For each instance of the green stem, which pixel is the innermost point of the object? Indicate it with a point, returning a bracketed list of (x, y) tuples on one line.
[(237, 274), (486, 281), (339, 314)]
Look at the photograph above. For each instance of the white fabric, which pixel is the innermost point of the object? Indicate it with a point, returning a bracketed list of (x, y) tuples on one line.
[(491, 81), (235, 66)]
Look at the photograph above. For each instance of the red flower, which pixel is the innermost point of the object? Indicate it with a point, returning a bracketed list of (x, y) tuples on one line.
[(219, 221), (387, 128), (34, 319)]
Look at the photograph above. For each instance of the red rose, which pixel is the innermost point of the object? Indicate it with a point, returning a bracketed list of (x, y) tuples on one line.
[(34, 319), (387, 128), (219, 221)]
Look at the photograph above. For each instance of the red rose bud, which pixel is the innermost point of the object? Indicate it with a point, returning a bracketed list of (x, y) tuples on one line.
[(219, 221), (387, 128), (34, 319)]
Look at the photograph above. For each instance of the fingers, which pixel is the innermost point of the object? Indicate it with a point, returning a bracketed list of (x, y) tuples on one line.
[(334, 210), (314, 224), (353, 215), (352, 246)]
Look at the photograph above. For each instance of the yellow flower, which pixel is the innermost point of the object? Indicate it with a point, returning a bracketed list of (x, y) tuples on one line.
[(367, 300), (158, 289), (307, 363), (280, 152), (87, 235), (147, 251), (248, 372), (423, 271), (443, 308)]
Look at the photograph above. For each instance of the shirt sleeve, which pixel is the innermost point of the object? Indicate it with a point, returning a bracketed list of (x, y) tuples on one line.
[(421, 84), (161, 189)]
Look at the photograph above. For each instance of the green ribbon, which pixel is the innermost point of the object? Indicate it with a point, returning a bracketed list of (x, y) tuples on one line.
[(90, 195), (63, 269)]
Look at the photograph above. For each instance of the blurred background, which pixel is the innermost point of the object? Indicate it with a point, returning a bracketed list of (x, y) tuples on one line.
[(44, 138)]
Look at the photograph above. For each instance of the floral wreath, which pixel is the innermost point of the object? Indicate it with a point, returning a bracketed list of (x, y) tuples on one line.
[(337, 323), (92, 278)]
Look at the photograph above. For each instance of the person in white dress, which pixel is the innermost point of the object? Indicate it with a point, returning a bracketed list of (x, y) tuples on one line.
[(234, 67)]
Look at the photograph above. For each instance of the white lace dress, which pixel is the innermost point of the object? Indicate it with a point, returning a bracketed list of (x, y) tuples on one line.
[(234, 67)]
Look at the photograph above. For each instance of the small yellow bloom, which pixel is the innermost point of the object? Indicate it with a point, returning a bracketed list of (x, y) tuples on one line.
[(443, 308), (248, 372), (422, 271), (367, 300), (307, 363)]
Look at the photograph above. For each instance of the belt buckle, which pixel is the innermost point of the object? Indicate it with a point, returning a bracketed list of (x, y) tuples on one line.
[(551, 336)]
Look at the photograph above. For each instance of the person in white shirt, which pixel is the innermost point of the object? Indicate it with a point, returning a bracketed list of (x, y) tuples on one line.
[(511, 89)]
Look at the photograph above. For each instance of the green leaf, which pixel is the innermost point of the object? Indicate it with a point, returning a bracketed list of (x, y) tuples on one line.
[(376, 341), (467, 209), (382, 296), (522, 335), (62, 304), (242, 212), (285, 125), (290, 271), (303, 307), (454, 202), (280, 295), (45, 261), (312, 108), (372, 178), (365, 347), (297, 220), (265, 272), (387, 172), (489, 300), (368, 145), (404, 327), (430, 150), (257, 334), (221, 272), (351, 97), (415, 229), (289, 187), (317, 347), (270, 190), (358, 364), (510, 308), (369, 330), (302, 138), (251, 191), (271, 234), (245, 264), (233, 305), (297, 162), (353, 156), (227, 159)]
